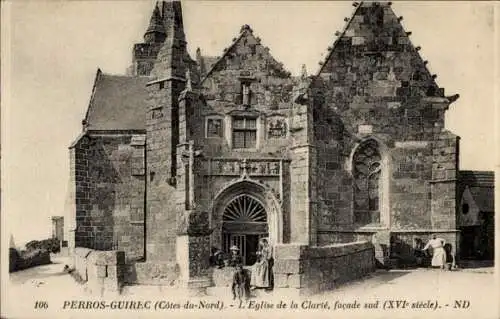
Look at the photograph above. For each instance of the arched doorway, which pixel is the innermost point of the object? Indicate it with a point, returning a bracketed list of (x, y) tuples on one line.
[(244, 222), (243, 212)]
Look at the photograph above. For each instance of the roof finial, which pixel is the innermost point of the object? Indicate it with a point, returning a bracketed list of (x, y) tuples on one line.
[(246, 27), (303, 74)]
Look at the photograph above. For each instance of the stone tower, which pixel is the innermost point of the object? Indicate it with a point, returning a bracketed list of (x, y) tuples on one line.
[(162, 131), (144, 54)]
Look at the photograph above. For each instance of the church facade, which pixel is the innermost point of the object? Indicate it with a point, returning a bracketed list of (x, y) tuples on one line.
[(182, 154)]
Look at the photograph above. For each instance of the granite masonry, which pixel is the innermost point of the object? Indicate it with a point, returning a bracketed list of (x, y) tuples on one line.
[(340, 170)]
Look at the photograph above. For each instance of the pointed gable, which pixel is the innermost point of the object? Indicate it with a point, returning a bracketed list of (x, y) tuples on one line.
[(247, 53), (375, 53), (248, 60)]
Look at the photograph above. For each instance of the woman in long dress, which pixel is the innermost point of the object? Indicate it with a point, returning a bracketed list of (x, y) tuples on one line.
[(438, 252), (260, 273)]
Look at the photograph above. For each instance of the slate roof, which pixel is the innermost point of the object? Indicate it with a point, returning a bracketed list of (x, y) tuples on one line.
[(482, 188), (478, 178), (484, 198), (118, 103), (209, 61)]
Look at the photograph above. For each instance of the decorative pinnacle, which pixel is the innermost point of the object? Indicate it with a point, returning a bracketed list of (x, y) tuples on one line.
[(189, 86), (303, 73), (408, 33), (418, 48), (400, 18), (246, 27)]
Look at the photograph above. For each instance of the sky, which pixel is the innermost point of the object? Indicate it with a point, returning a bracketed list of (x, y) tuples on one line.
[(52, 49)]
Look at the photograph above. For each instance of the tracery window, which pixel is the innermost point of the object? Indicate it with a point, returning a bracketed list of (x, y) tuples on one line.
[(367, 166)]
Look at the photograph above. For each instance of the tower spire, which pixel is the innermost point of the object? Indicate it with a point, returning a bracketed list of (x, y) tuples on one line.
[(170, 61), (172, 19), (156, 29)]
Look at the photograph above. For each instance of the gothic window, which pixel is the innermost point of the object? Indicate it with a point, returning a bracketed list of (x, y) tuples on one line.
[(244, 132), (366, 173), (213, 127)]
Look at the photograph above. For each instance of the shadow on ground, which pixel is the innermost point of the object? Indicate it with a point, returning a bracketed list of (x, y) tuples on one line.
[(37, 273), (474, 264)]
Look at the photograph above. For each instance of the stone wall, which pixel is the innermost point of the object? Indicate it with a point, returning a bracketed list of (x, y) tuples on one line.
[(310, 270), (410, 187), (398, 243), (151, 273), (246, 63), (103, 271), (108, 176), (162, 135), (375, 86)]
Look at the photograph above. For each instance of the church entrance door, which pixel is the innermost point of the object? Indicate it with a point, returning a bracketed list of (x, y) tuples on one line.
[(244, 223)]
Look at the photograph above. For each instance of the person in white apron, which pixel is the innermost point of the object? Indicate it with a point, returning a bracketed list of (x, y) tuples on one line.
[(438, 252)]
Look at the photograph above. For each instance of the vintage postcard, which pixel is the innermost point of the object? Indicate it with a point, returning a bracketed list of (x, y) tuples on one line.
[(185, 159)]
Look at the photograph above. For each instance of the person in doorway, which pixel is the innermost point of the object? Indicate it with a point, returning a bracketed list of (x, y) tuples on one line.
[(216, 258), (418, 252), (235, 258), (261, 273), (438, 252)]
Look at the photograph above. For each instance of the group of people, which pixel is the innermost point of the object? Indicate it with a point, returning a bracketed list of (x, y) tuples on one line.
[(261, 274)]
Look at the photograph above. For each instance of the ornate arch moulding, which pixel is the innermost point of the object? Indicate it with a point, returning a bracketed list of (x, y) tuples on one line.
[(261, 192)]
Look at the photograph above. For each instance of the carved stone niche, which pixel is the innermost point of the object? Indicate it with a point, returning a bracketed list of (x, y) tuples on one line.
[(277, 126), (193, 223)]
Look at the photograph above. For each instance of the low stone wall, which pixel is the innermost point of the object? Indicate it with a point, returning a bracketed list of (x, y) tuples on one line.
[(103, 271), (395, 243), (150, 273), (310, 270)]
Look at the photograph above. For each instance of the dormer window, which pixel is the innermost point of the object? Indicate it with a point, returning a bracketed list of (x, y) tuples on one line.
[(244, 132)]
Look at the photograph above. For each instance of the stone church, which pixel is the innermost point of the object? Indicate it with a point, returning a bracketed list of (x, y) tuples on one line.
[(340, 170)]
